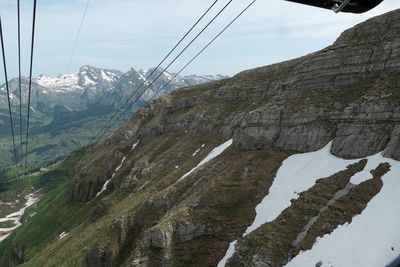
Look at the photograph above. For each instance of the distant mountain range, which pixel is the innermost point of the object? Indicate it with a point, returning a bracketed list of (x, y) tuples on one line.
[(91, 83), (70, 105)]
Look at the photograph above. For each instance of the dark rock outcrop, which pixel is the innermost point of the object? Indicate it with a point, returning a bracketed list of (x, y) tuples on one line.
[(393, 148)]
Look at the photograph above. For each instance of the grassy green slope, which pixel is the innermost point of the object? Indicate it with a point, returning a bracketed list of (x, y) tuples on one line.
[(51, 140), (53, 214)]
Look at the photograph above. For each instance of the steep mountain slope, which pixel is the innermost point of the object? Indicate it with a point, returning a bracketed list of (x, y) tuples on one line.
[(68, 110), (205, 166)]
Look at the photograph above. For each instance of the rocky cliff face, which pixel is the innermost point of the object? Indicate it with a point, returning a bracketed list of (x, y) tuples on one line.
[(348, 93), (160, 213)]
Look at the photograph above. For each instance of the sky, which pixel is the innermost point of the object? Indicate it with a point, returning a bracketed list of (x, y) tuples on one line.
[(124, 34)]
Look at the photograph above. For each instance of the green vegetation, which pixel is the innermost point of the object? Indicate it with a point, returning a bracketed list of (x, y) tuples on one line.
[(54, 213), (51, 140), (6, 209), (7, 224)]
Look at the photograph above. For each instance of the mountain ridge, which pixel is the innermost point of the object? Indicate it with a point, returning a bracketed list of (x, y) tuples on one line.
[(100, 79)]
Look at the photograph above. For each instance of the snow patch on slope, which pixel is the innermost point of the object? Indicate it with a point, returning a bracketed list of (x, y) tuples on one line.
[(299, 173), (88, 81), (196, 152), (372, 238), (108, 76), (228, 255), (104, 188), (108, 180), (143, 76), (213, 154), (62, 235), (16, 217)]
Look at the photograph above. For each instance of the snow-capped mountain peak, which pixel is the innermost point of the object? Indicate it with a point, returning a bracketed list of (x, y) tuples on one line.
[(90, 76), (61, 83), (106, 84), (87, 76)]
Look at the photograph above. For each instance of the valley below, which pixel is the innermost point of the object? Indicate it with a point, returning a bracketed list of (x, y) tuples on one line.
[(12, 221)]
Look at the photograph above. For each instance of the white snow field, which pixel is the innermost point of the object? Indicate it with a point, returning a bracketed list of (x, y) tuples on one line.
[(372, 238), (213, 154), (299, 173)]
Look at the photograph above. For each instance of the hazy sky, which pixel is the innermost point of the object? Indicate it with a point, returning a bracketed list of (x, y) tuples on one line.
[(121, 34)]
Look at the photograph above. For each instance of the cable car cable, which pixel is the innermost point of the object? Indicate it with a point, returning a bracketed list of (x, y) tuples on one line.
[(77, 36), (30, 82), (159, 65), (201, 51), (19, 80), (174, 60), (182, 69), (8, 91)]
